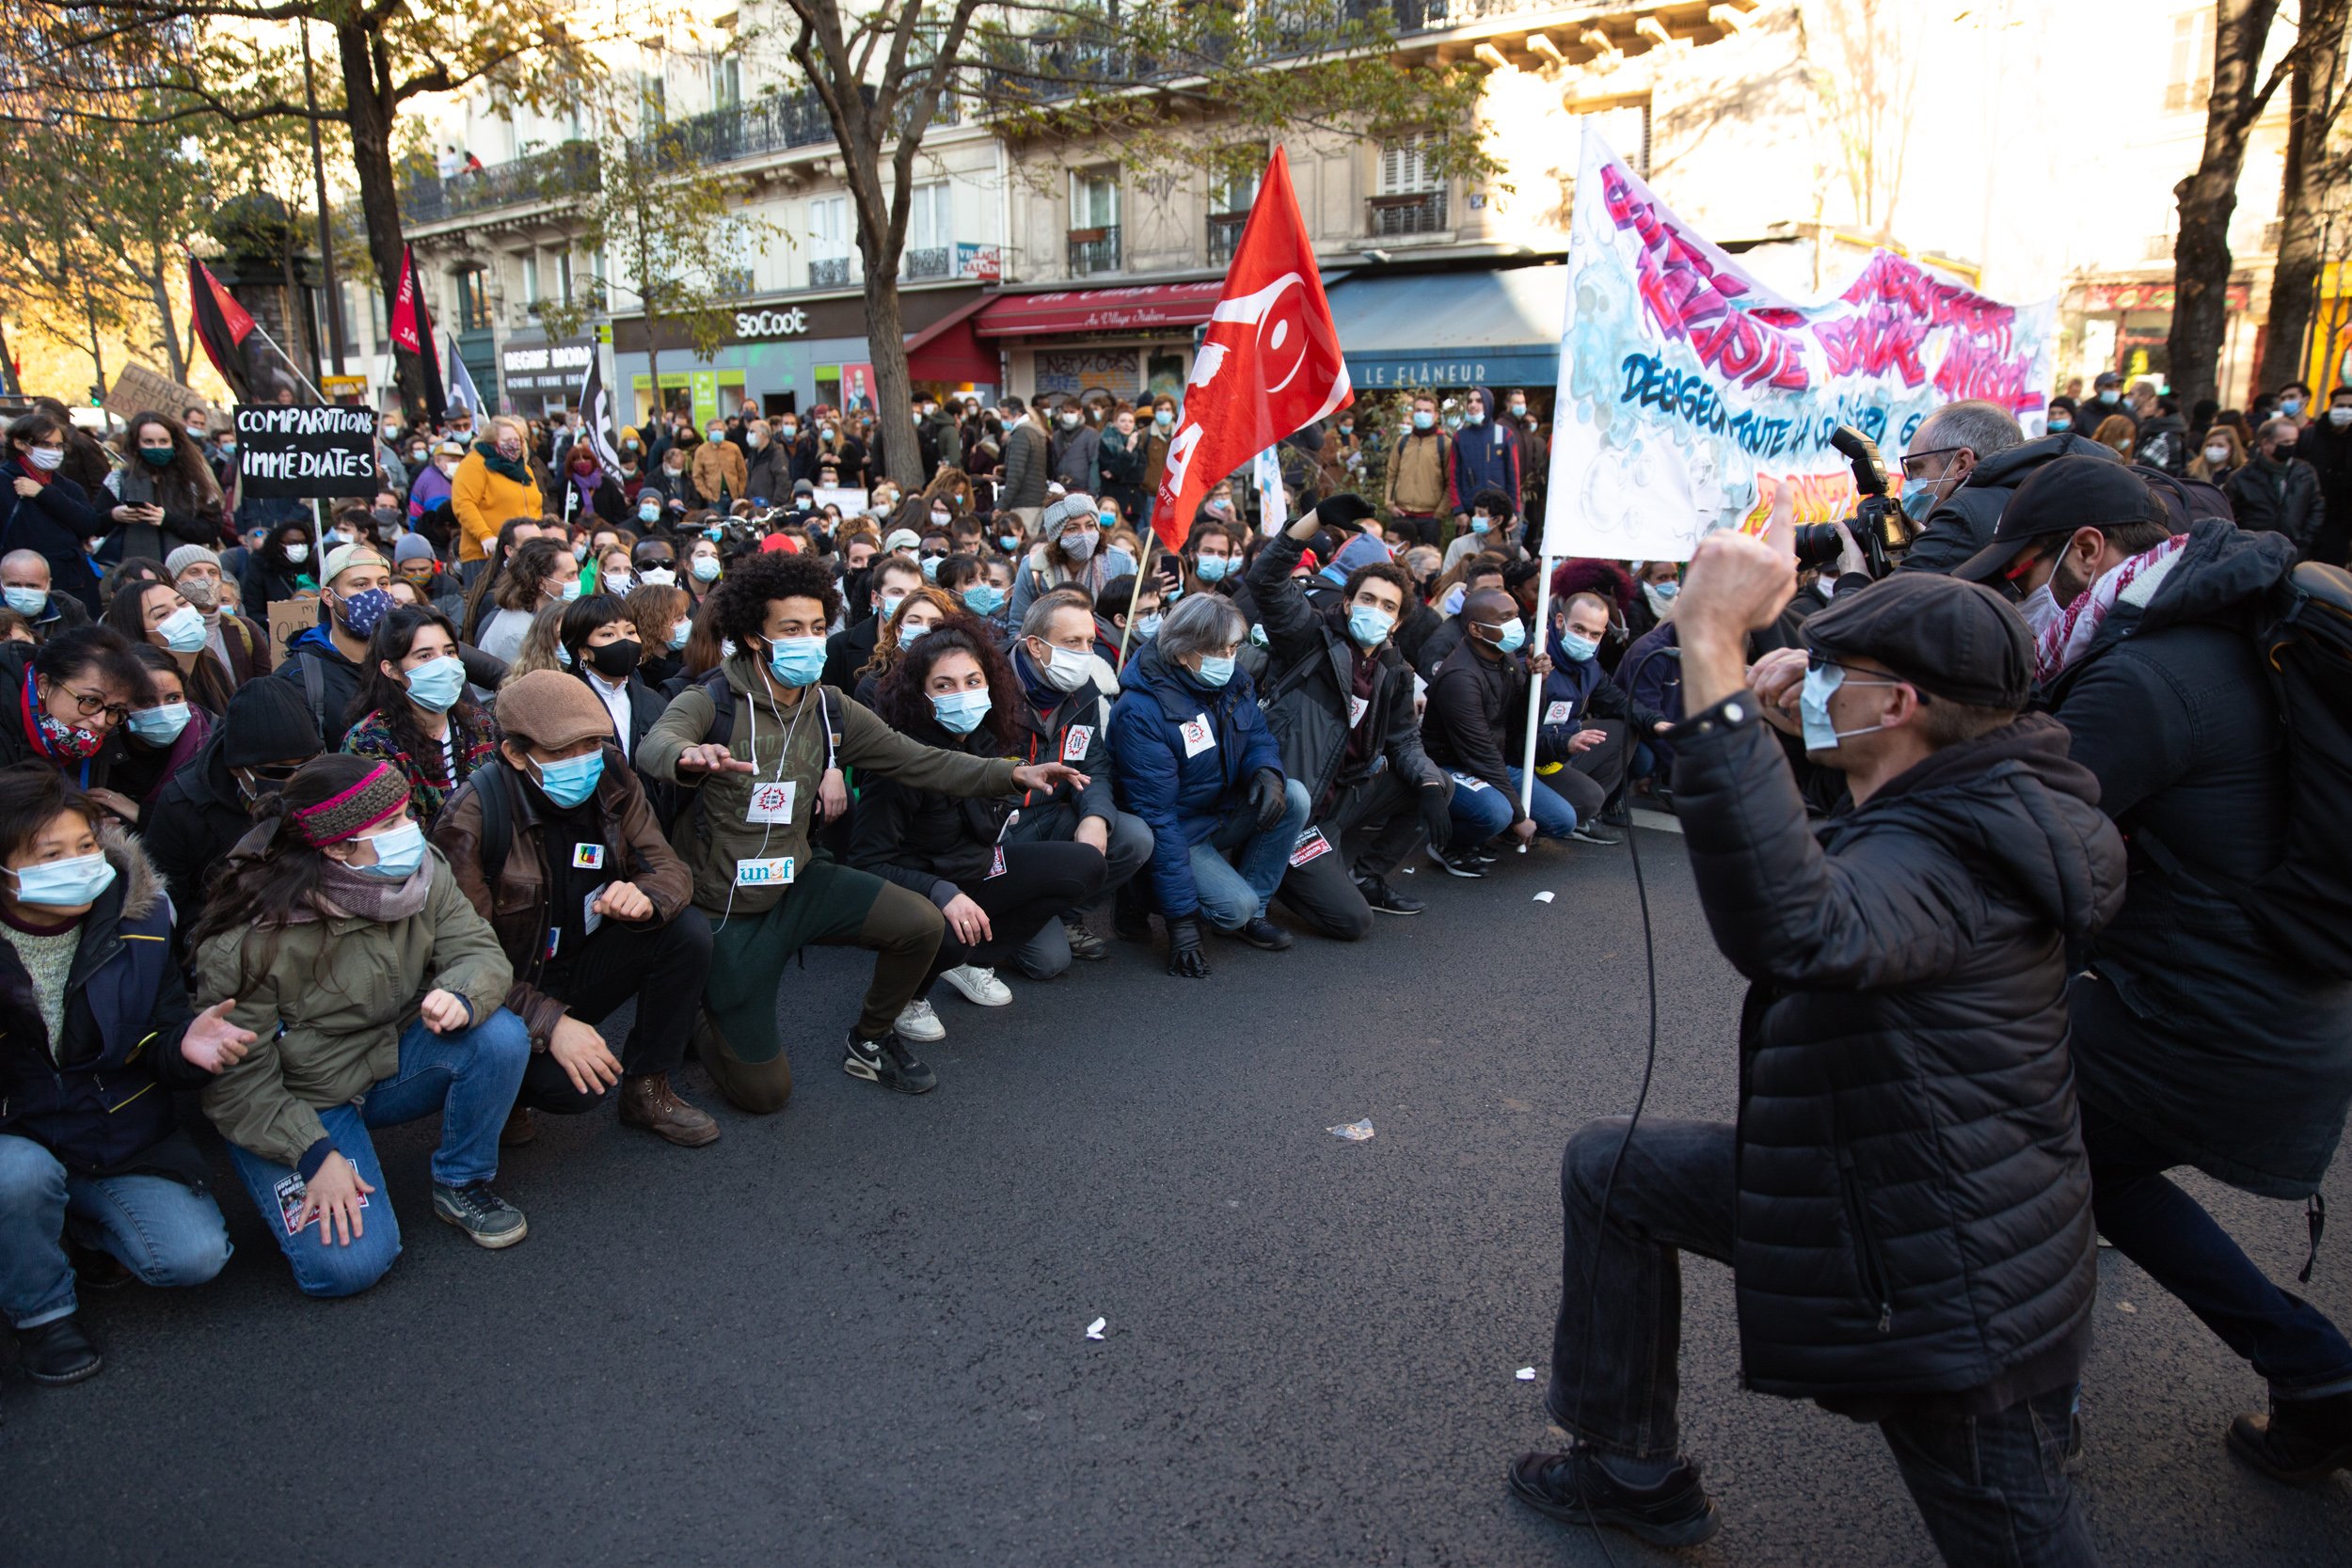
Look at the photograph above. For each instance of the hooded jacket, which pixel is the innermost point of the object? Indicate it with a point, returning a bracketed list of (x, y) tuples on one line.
[(2243, 1061), (1914, 1203), (1961, 524), (1184, 751), (102, 1104), (1485, 456), (328, 679)]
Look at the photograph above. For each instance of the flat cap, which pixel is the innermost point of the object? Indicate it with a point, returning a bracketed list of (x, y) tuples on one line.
[(1954, 640), (2063, 495), (555, 709)]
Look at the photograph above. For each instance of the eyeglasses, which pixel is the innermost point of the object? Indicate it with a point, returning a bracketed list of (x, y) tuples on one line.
[(90, 706), (1910, 457)]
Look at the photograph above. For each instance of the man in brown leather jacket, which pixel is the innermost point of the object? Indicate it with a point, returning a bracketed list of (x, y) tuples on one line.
[(558, 849)]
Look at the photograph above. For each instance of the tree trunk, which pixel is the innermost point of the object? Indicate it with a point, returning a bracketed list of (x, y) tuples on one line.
[(2314, 99), (2208, 200), (158, 276), (880, 241), (368, 111), (7, 365)]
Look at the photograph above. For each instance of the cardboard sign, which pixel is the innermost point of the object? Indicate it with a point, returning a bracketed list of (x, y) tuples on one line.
[(328, 451), (290, 618), (140, 390)]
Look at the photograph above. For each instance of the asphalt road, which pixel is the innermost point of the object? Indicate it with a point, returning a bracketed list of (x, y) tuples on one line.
[(854, 1333)]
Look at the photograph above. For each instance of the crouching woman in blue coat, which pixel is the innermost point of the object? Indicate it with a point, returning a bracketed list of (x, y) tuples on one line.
[(95, 1032), (1197, 763)]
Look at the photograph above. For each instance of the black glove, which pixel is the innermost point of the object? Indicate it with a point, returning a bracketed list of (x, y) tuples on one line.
[(1185, 959), (1267, 798), (1435, 815), (1344, 511)]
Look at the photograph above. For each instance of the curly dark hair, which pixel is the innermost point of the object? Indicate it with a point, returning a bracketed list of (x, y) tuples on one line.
[(1384, 571), (904, 705), (394, 637), (739, 606)]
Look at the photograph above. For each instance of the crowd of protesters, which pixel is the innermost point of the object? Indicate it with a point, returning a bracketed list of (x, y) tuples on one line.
[(574, 726)]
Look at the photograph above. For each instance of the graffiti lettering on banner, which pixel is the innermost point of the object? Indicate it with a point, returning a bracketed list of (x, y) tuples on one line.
[(1685, 378)]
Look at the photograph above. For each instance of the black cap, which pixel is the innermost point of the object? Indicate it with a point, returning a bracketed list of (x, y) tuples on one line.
[(2063, 495), (267, 720), (2109, 378), (1950, 638)]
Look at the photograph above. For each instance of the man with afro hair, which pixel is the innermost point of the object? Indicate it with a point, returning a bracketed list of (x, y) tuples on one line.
[(749, 745)]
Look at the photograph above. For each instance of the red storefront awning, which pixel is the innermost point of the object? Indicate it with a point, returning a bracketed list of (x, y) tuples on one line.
[(947, 351), (1060, 311)]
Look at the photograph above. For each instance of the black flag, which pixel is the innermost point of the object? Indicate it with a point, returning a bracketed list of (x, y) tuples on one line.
[(595, 412)]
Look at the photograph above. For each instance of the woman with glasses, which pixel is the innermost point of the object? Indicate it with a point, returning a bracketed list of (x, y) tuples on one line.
[(66, 703)]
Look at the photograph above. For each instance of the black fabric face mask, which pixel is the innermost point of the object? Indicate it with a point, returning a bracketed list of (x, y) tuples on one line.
[(615, 660)]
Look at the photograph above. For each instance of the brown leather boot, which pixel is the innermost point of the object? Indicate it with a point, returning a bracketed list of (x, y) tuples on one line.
[(519, 1129), (650, 1102)]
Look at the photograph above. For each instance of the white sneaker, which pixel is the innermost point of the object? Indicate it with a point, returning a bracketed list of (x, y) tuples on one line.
[(978, 985), (916, 1021)]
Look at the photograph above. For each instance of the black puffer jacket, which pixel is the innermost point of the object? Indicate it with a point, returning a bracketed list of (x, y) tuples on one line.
[(2244, 1060), (1913, 1201), (1309, 689), (2273, 499), (1963, 524), (925, 841)]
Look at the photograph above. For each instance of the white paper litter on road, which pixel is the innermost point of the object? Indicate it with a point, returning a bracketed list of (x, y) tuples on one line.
[(1543, 898), (2125, 1306), (1355, 1131), (1527, 1374), (1094, 1329)]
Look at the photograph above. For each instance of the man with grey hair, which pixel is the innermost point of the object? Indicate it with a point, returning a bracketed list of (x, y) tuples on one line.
[(1197, 764), (1958, 469)]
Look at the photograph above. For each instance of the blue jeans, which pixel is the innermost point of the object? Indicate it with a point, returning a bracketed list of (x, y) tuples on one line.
[(471, 1079), (1991, 1489), (1233, 895), (164, 1232), (1481, 811)]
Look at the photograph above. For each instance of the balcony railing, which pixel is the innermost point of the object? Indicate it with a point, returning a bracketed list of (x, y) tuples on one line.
[(936, 261), (828, 271), (1093, 250), (1225, 235), (562, 170), (1419, 212), (775, 122)]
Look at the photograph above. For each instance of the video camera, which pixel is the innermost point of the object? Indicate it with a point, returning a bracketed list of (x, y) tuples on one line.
[(1878, 523)]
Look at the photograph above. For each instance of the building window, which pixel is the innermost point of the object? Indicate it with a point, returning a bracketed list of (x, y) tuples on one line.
[(1411, 199), (1230, 200), (531, 279), (473, 299), (2189, 84), (1093, 221), (726, 86), (1626, 128), (931, 232), (564, 275), (829, 243)]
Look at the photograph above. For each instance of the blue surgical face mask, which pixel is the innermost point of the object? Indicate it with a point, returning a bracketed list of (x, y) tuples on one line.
[(797, 660), (160, 725), (649, 512), (1422, 418), (1452, 603), (1821, 732), (1666, 590), (1211, 569), (27, 602), (1482, 525), (398, 853), (910, 632), (64, 885), (1215, 671), (1148, 626), (1009, 542), (1919, 497), (680, 632), (1580, 649), (960, 712), (433, 686), (182, 630), (704, 567), (568, 592), (1370, 625), (2060, 424), (568, 781), (984, 598), (930, 568), (1514, 636)]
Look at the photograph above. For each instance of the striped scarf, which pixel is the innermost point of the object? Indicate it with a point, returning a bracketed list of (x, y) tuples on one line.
[(2134, 583)]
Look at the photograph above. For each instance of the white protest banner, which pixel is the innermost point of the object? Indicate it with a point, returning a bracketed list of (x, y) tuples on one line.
[(1684, 378)]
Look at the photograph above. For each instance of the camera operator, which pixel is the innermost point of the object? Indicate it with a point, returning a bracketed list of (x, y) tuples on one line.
[(1960, 468), (1912, 1241)]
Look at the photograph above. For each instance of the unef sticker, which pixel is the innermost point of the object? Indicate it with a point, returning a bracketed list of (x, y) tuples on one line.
[(1074, 741), (771, 801), (1199, 734)]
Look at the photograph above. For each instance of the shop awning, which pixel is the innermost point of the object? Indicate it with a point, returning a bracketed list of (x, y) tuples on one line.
[(947, 350), (1063, 310), (1494, 329)]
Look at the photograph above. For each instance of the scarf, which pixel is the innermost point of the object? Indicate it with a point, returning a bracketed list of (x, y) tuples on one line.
[(2135, 583), (587, 482), (500, 464), (343, 894)]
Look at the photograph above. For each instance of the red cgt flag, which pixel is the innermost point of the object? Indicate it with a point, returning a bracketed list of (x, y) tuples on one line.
[(1269, 364), (404, 320)]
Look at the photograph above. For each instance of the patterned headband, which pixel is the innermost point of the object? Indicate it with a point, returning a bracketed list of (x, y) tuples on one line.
[(383, 793)]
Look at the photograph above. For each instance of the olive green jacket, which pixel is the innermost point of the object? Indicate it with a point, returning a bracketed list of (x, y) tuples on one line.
[(342, 990), (721, 832)]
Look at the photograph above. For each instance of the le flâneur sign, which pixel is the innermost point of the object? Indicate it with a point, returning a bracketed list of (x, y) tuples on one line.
[(326, 450)]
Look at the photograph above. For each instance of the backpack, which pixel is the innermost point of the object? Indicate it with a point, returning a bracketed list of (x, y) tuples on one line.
[(2304, 904), (721, 732)]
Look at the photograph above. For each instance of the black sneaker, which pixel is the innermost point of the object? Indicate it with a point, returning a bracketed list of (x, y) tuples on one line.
[(481, 1213), (888, 1062), (1262, 934), (1484, 855), (96, 1269), (1593, 833), (1576, 1489), (58, 1352), (2299, 1442), (1084, 943), (1457, 863), (1381, 896), (1618, 813)]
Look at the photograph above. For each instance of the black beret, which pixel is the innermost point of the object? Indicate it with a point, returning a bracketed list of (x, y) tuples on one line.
[(1951, 639)]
